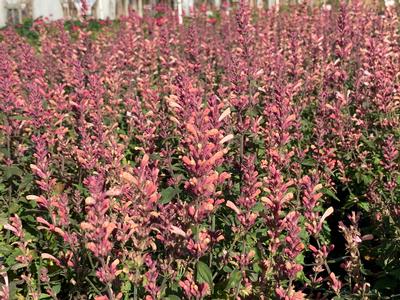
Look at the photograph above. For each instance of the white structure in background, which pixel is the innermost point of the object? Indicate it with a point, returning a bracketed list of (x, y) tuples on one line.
[(187, 6), (49, 9), (103, 9), (3, 13), (78, 5), (106, 9), (180, 11), (390, 3), (58, 9), (12, 9)]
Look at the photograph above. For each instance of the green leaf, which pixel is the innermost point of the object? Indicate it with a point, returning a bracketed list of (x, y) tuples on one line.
[(178, 168), (385, 283), (3, 220), (26, 182), (257, 268), (376, 160), (330, 193), (367, 142), (167, 195), (18, 266), (258, 207), (56, 288), (172, 297), (364, 206), (126, 287), (396, 273), (204, 273), (366, 179), (14, 208), (301, 276), (20, 118), (304, 234), (227, 269), (234, 279), (308, 162), (12, 171), (300, 259), (254, 276)]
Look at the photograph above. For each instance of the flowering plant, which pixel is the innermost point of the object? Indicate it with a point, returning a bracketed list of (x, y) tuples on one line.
[(253, 155)]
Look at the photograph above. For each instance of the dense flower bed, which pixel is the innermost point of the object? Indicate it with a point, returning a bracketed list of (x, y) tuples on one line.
[(253, 155)]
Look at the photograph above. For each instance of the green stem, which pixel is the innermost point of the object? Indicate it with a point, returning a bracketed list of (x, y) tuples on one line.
[(241, 268), (212, 229), (98, 292), (135, 288)]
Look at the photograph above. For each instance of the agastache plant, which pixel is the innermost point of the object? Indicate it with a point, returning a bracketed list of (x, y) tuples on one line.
[(214, 159)]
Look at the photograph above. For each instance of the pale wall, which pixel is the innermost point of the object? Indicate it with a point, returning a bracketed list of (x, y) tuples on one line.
[(50, 9), (3, 13), (106, 9)]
